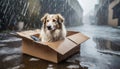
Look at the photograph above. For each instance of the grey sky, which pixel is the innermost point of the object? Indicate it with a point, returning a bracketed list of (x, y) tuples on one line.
[(87, 5)]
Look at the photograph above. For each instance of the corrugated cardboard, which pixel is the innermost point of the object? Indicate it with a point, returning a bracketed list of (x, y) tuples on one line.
[(51, 51)]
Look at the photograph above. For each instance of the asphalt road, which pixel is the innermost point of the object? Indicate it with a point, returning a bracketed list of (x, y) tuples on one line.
[(101, 51)]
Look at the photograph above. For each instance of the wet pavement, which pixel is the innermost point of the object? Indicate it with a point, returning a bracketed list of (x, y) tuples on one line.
[(101, 51)]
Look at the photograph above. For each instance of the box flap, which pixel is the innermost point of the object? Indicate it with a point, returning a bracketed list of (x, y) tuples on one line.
[(78, 38), (27, 34), (61, 47)]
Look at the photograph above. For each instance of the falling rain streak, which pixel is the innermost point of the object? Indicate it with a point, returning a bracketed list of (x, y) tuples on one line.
[(29, 12)]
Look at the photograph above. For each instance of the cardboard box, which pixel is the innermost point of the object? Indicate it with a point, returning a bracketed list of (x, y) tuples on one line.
[(52, 51)]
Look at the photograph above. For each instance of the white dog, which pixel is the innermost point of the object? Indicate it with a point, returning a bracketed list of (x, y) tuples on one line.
[(53, 28)]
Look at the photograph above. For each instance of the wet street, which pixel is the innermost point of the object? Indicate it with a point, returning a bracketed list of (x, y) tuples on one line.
[(101, 51)]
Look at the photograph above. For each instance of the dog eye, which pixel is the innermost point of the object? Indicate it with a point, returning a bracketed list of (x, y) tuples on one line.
[(47, 20), (54, 20)]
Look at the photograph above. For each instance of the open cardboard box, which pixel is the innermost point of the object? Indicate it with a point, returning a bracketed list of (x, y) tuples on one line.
[(51, 51)]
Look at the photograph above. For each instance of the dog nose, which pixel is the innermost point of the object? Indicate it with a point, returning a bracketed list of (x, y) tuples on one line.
[(49, 27)]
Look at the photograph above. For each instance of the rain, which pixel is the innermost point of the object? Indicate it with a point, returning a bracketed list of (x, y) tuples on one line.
[(97, 19)]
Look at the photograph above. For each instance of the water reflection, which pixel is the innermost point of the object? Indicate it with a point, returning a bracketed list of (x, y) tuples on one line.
[(104, 44), (41, 64), (8, 59)]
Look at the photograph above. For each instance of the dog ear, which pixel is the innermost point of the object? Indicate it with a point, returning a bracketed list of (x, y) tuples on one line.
[(43, 19), (60, 18)]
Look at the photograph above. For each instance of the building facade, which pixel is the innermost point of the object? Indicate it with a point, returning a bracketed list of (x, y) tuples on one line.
[(107, 12), (114, 13)]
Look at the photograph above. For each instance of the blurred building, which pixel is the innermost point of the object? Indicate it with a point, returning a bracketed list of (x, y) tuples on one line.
[(102, 12), (77, 15), (107, 12), (95, 13), (70, 9)]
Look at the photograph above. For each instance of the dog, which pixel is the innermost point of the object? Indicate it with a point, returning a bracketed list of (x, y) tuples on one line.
[(53, 28)]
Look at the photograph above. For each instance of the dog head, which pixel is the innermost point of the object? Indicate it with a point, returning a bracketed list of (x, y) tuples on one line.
[(52, 21)]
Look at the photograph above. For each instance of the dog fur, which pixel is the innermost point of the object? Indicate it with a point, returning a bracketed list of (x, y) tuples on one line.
[(53, 28)]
